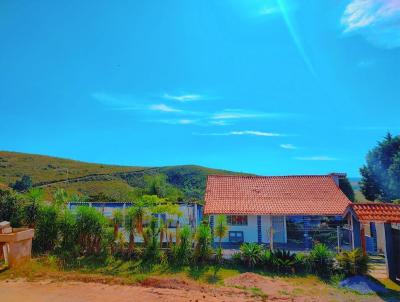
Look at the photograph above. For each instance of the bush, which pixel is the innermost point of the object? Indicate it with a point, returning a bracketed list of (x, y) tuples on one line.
[(203, 249), (267, 259), (91, 227), (353, 262), (151, 243), (251, 254), (68, 232), (283, 260), (10, 208), (46, 232), (182, 252), (321, 260)]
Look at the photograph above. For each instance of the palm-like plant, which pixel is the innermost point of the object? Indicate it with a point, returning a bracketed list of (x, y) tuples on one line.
[(284, 260), (203, 243), (353, 262), (34, 199), (118, 218), (60, 198), (130, 225), (221, 228), (251, 253)]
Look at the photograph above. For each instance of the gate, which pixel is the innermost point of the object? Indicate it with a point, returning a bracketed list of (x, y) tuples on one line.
[(396, 249)]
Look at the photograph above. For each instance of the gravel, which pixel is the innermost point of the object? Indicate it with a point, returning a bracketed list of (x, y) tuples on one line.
[(362, 285)]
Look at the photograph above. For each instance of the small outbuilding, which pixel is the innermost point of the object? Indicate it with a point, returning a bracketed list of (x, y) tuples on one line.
[(360, 215)]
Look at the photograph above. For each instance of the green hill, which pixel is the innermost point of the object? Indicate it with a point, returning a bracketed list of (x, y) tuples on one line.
[(91, 179)]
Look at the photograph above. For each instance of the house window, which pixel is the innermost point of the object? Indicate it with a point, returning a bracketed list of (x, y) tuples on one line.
[(237, 220), (236, 236)]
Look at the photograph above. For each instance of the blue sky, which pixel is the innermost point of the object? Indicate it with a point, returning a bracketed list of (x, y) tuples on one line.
[(267, 87)]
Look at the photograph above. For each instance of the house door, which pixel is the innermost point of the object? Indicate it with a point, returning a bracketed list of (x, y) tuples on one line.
[(278, 224)]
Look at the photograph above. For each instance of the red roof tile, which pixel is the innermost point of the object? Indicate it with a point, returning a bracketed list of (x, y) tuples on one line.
[(378, 212), (274, 195)]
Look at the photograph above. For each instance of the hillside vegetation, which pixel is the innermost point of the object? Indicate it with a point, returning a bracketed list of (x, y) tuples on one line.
[(92, 179)]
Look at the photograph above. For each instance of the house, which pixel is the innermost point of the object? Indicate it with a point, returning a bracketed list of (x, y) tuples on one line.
[(192, 214), (290, 211)]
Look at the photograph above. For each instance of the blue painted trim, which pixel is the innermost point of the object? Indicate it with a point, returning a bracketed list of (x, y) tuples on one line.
[(212, 227), (356, 233), (259, 234)]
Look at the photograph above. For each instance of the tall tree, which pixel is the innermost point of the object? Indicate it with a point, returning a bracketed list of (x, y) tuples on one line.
[(347, 189), (381, 174)]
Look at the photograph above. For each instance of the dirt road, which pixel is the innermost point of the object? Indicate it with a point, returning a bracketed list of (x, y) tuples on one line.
[(243, 288)]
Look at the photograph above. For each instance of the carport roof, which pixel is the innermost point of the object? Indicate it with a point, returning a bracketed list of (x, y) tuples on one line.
[(377, 212)]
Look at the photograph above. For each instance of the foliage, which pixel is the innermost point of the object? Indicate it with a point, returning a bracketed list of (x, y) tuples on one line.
[(34, 198), (347, 189), (68, 232), (284, 261), (151, 243), (221, 228), (203, 250), (22, 185), (46, 229), (381, 174), (182, 252), (117, 217), (353, 262), (250, 253), (60, 198), (91, 228), (321, 260), (10, 208)]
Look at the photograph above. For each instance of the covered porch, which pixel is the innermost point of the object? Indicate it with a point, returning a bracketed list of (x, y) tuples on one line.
[(359, 217)]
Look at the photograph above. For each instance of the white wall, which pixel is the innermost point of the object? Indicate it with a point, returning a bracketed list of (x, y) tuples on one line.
[(250, 230)]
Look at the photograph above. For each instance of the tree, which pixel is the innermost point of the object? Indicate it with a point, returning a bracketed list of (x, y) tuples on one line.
[(346, 188), (221, 228), (23, 185), (118, 218), (381, 173)]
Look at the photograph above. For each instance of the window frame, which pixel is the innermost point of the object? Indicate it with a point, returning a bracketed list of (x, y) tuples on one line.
[(234, 220)]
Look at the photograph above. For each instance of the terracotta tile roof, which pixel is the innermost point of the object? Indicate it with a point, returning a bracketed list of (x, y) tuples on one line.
[(274, 195), (379, 212)]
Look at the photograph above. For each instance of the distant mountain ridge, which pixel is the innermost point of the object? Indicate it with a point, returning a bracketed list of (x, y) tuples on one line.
[(91, 178)]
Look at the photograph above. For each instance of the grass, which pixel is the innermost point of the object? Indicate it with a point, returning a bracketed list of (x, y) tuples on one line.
[(109, 270)]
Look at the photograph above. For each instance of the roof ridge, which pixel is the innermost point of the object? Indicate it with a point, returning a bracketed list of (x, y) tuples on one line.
[(269, 176)]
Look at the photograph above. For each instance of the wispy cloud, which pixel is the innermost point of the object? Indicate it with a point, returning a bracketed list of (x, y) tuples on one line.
[(317, 158), (183, 98), (269, 10), (177, 121), (377, 20), (243, 132), (229, 114), (163, 108), (288, 146)]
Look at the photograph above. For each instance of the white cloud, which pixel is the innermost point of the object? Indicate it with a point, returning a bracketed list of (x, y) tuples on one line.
[(244, 132), (377, 20), (229, 114), (269, 10), (288, 146), (316, 158), (183, 98), (163, 108)]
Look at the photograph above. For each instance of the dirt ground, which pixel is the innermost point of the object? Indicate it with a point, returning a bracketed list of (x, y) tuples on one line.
[(245, 287)]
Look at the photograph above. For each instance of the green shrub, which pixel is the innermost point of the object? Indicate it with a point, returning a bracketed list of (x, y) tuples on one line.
[(91, 227), (353, 262), (321, 260), (68, 232), (10, 208), (302, 264), (267, 259), (151, 243), (284, 261), (182, 251), (203, 249), (251, 254), (46, 231)]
